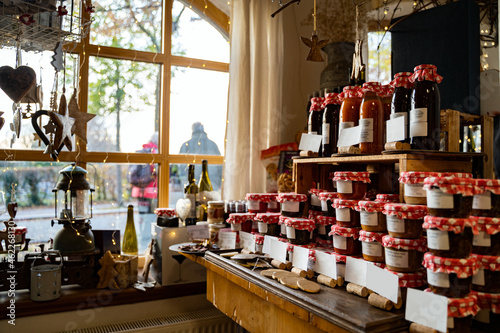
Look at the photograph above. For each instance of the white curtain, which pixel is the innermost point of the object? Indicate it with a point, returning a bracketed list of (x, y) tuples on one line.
[(255, 85)]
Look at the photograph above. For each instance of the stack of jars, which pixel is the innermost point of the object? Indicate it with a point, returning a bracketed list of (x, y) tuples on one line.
[(295, 227), (449, 228), (374, 228), (266, 218), (486, 249)]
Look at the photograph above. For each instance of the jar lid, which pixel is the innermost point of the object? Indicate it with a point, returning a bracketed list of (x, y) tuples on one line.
[(451, 185), (490, 225), (488, 301), (492, 185), (262, 197), (346, 232), (292, 197), (456, 225), (387, 198), (371, 206), (405, 211), (170, 212), (324, 196), (215, 203), (315, 191), (425, 72), (331, 98), (350, 92), (462, 267), (238, 218), (358, 176), (343, 203), (268, 218), (259, 239), (300, 223), (281, 219), (371, 86), (411, 280), (490, 263), (419, 244), (386, 91), (313, 214), (401, 79), (416, 177), (326, 220), (316, 103), (368, 236)]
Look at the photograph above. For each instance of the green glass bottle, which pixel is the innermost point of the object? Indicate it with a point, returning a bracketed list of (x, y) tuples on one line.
[(205, 188), (129, 243), (191, 193)]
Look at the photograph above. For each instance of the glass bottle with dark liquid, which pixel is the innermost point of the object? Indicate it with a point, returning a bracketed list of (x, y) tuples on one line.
[(401, 99), (314, 124), (425, 114), (330, 128)]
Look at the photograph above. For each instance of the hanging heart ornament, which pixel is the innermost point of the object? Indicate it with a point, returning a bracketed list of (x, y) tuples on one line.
[(17, 82), (50, 149)]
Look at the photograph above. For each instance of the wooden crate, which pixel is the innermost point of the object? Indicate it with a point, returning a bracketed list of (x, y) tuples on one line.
[(452, 123)]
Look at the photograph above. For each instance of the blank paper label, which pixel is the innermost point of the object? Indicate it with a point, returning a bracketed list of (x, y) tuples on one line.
[(321, 229), (263, 228), (343, 214), (396, 258), (438, 199), (315, 200), (395, 224), (344, 125), (478, 279), (370, 219), (415, 190), (344, 186), (396, 129), (325, 131), (290, 232), (482, 201), (373, 249), (324, 206), (339, 242), (483, 239), (438, 279), (291, 206), (438, 239), (253, 204)]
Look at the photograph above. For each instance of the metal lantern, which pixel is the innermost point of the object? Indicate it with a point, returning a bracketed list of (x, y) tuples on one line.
[(73, 209)]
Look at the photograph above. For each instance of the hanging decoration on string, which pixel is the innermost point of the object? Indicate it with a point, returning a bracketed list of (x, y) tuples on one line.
[(357, 59), (314, 43)]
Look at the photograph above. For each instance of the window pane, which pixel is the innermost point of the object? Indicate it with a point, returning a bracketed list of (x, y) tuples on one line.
[(198, 107), (133, 24), (179, 175), (124, 96), (195, 37), (379, 58)]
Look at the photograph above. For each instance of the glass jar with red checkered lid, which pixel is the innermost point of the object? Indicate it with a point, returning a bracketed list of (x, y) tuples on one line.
[(292, 204), (487, 279), (403, 255), (487, 240), (372, 217), (486, 200), (449, 196), (346, 213), (371, 246), (404, 221), (351, 185), (346, 240), (299, 230), (488, 318)]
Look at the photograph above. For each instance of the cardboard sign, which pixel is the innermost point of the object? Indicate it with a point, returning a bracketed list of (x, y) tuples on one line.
[(382, 282), (310, 142), (227, 240), (355, 271), (349, 136), (198, 231), (300, 257), (278, 250), (326, 264), (427, 309), (266, 247), (396, 129), (247, 241)]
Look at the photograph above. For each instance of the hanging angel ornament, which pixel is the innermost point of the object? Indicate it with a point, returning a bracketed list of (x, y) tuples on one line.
[(315, 44)]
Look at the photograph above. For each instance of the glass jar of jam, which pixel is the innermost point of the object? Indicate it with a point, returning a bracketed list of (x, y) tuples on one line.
[(241, 221), (372, 217), (282, 225), (460, 313), (330, 130), (450, 277), (315, 202), (315, 120), (215, 212), (349, 109), (346, 214), (385, 93), (488, 318), (387, 198), (371, 246), (323, 226), (345, 240), (257, 202), (403, 255), (487, 240), (449, 196), (413, 181), (213, 231), (299, 230), (268, 223), (416, 280), (401, 99), (292, 204), (425, 113), (259, 243), (326, 199), (371, 120), (351, 185), (405, 221), (487, 279), (449, 237), (486, 200), (272, 205)]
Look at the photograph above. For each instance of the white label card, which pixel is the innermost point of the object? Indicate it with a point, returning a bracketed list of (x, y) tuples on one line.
[(278, 250), (262, 227), (427, 309), (395, 224), (227, 240), (382, 282), (300, 257), (315, 200), (247, 241), (482, 201), (266, 247), (369, 219), (339, 242), (438, 279), (291, 206), (326, 264), (343, 214), (344, 186), (372, 249), (396, 258), (396, 129), (290, 232), (355, 271), (310, 142), (349, 136), (253, 204), (483, 239), (198, 231), (415, 190), (438, 199), (478, 279), (438, 239)]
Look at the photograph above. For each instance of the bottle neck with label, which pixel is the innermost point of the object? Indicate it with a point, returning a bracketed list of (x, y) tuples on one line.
[(191, 193)]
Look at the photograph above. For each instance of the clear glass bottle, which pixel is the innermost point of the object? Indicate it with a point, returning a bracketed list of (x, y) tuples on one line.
[(129, 243), (205, 190), (191, 193), (371, 120)]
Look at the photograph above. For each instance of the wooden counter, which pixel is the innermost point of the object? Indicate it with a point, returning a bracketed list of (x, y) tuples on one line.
[(260, 304)]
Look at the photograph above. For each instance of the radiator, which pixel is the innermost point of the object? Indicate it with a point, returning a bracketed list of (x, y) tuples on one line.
[(202, 321)]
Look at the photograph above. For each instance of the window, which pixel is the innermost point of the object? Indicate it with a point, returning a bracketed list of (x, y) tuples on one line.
[(379, 57), (155, 74)]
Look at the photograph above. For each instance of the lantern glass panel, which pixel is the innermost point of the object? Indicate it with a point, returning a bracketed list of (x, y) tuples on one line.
[(80, 204)]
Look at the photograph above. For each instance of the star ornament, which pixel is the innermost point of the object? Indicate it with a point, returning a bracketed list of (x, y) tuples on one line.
[(316, 45), (64, 124), (81, 118)]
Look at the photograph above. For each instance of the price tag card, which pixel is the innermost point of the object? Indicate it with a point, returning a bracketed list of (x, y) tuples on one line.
[(198, 231), (427, 309), (266, 247), (278, 250), (326, 264), (382, 282), (247, 241), (310, 142), (227, 240), (355, 271), (396, 129), (349, 136), (300, 257)]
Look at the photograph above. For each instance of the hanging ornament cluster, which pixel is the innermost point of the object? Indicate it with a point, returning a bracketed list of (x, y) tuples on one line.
[(357, 59), (314, 43)]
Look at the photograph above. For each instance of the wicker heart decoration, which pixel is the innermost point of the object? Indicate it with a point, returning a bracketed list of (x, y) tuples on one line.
[(16, 82)]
